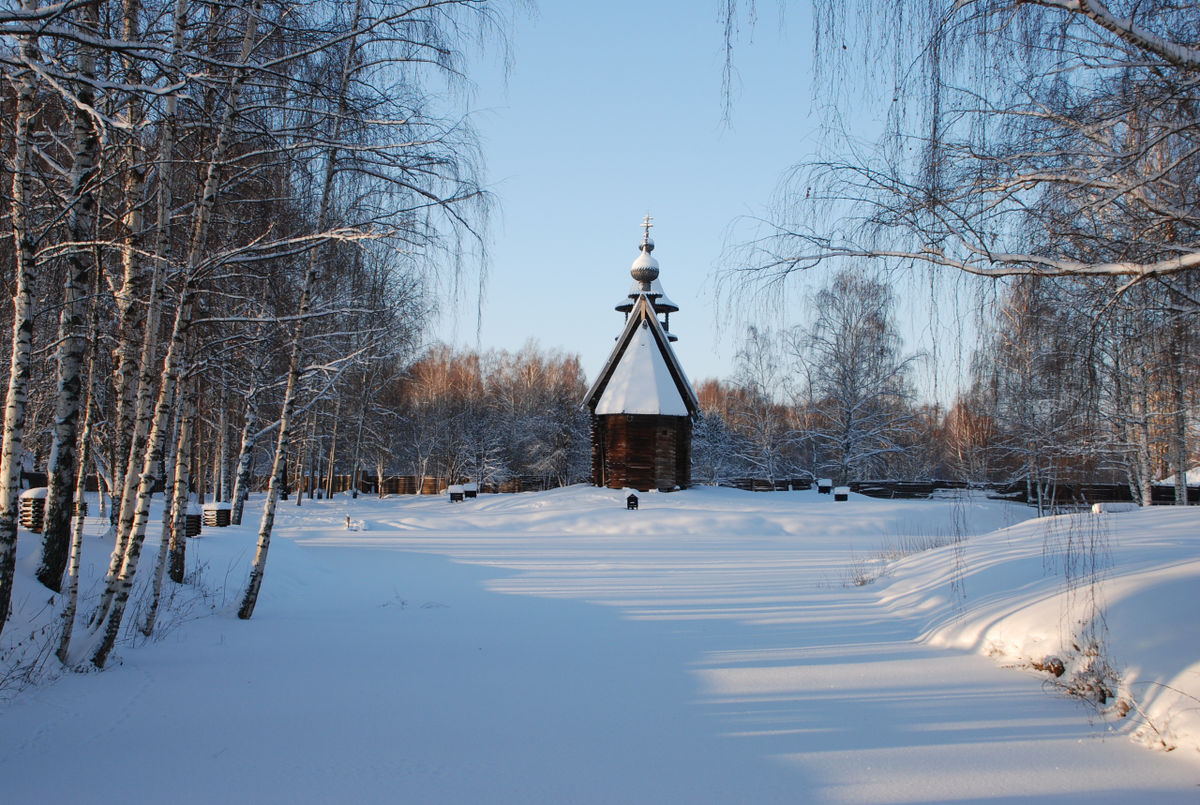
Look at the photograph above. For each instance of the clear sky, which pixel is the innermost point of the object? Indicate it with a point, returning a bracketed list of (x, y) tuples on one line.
[(611, 111)]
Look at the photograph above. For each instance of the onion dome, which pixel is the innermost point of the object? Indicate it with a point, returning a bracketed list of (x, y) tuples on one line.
[(645, 267)]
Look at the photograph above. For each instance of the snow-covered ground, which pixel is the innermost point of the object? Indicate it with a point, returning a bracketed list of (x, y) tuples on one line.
[(713, 646)]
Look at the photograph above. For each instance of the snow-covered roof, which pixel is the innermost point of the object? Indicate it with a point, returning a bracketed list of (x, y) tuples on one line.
[(662, 303), (641, 383), (643, 375), (1191, 478)]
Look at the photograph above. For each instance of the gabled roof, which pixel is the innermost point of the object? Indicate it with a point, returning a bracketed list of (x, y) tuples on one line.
[(642, 375)]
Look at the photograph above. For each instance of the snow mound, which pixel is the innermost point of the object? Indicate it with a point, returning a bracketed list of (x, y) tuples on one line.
[(1110, 598)]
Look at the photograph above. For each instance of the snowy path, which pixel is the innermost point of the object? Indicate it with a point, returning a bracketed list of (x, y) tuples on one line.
[(727, 662)]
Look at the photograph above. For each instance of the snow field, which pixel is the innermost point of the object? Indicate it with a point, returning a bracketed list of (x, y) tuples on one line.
[(710, 647)]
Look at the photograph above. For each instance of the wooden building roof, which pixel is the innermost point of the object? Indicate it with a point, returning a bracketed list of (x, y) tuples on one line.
[(643, 375)]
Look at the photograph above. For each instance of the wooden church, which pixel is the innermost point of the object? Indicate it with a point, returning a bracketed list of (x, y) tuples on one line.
[(642, 405)]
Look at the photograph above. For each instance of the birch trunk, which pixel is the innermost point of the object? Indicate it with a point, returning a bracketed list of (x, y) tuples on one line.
[(278, 467), (71, 605), (164, 539), (1179, 422), (123, 508), (71, 593), (134, 418), (221, 493), (315, 487), (1141, 429), (241, 481), (198, 473), (137, 310), (175, 363), (22, 332), (333, 450), (172, 519), (118, 592), (72, 588), (258, 569), (357, 457), (250, 436), (56, 533), (304, 471), (170, 459), (179, 503)]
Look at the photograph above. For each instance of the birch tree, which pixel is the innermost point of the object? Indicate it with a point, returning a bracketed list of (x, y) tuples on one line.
[(61, 467), (1024, 137), (277, 479), (71, 592), (418, 164), (119, 585), (307, 150), (757, 410), (249, 439), (19, 370), (856, 376), (135, 374), (138, 297)]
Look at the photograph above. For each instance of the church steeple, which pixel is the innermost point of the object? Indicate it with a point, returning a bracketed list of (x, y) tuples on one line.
[(645, 272), (645, 267)]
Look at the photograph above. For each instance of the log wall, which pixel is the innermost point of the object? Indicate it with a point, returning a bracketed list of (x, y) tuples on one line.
[(643, 452)]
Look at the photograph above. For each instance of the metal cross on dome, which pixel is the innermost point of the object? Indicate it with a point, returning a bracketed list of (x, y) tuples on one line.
[(647, 223)]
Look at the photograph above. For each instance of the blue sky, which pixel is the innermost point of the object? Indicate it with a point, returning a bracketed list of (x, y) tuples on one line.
[(611, 111), (614, 110)]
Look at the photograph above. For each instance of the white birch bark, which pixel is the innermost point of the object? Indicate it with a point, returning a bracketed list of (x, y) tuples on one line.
[(250, 436), (118, 592), (173, 512), (356, 459), (337, 409), (22, 332), (1141, 429), (221, 493), (134, 419), (177, 545), (1179, 420), (137, 312), (56, 532), (164, 539), (175, 363), (71, 591)]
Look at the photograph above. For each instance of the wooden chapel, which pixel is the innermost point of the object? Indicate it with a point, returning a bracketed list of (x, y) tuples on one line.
[(642, 405)]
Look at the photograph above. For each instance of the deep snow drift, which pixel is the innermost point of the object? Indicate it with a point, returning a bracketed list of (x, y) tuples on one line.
[(713, 646)]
